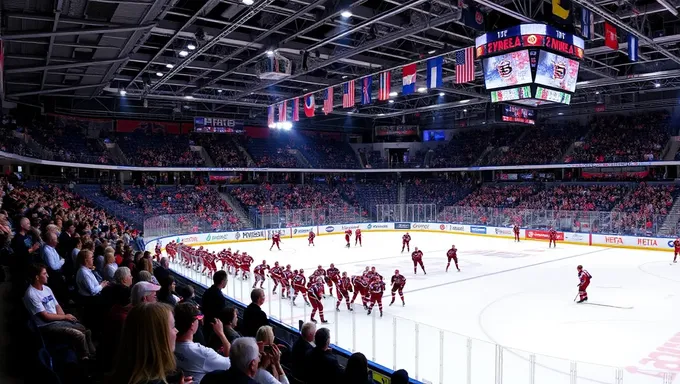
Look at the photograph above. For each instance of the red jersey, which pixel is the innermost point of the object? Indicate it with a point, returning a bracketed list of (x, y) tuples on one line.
[(417, 255), (246, 261), (312, 234), (357, 233), (398, 281), (369, 275), (276, 272), (516, 229), (276, 237), (259, 270), (345, 285), (553, 234), (406, 238), (452, 253), (359, 281), (319, 272), (676, 244), (376, 287), (348, 232), (299, 280), (287, 275), (316, 291), (333, 273), (237, 259), (584, 276)]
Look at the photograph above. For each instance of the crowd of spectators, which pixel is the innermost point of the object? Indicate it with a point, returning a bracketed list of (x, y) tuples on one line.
[(438, 192), (466, 147), (223, 150), (153, 150), (540, 145), (635, 137)]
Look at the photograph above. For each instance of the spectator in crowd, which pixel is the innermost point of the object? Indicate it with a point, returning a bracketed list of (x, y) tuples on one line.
[(270, 370), (25, 243), (229, 317), (167, 292), (399, 377), (193, 358), (88, 285), (321, 366), (119, 290), (253, 316), (213, 300), (356, 370), (244, 357), (144, 292), (77, 246), (145, 355), (54, 265), (66, 239), (110, 267), (301, 347), (50, 317), (146, 276), (163, 270)]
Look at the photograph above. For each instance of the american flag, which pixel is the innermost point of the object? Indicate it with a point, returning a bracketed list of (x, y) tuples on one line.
[(296, 109), (465, 65), (270, 116), (283, 111), (348, 94), (384, 88), (328, 100)]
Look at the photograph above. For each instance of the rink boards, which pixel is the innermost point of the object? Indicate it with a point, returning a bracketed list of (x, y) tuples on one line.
[(591, 239)]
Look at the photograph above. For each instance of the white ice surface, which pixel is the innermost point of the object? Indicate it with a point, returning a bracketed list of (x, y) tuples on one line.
[(518, 295)]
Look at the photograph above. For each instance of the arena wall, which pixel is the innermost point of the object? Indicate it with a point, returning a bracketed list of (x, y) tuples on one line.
[(588, 239)]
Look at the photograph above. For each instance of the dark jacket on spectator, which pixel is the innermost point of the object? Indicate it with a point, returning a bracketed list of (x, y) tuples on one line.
[(298, 357), (232, 376), (212, 303), (161, 273), (253, 318), (322, 367)]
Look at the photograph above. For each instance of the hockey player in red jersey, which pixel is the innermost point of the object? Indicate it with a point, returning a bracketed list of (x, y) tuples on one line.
[(276, 273), (398, 282), (348, 235), (157, 251), (315, 296), (332, 278), (286, 281), (417, 257), (376, 289), (360, 284), (310, 239), (676, 246), (259, 273), (452, 254), (357, 237), (515, 230), (584, 281), (553, 237), (300, 285), (344, 288), (246, 262), (405, 240), (276, 240)]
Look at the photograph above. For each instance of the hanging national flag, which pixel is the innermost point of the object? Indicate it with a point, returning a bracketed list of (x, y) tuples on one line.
[(366, 84), (270, 116), (434, 72), (283, 111), (471, 16), (296, 109), (611, 40), (309, 105), (408, 77), (632, 48), (328, 100), (465, 65), (587, 23), (384, 89), (348, 94), (561, 10)]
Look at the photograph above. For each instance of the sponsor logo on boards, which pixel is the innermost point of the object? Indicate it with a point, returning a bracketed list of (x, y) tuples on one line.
[(479, 230), (420, 226), (402, 225), (458, 228), (330, 228)]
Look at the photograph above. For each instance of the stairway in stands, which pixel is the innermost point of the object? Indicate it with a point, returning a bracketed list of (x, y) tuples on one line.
[(238, 210)]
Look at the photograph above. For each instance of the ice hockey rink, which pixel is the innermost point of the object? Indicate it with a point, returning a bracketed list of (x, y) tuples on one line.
[(516, 295)]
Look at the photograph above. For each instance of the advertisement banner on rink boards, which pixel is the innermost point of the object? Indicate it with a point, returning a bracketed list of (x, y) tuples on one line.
[(478, 229), (402, 226), (302, 231), (582, 238), (541, 235), (250, 235), (500, 231), (377, 226), (658, 243)]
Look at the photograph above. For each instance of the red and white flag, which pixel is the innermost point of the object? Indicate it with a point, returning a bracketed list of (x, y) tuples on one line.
[(283, 111), (296, 109), (328, 101), (270, 116), (384, 86), (309, 105), (611, 39), (348, 94), (465, 65)]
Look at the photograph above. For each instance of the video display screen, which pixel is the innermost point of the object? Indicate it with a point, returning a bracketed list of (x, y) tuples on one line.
[(507, 70), (556, 71), (514, 114), (511, 94), (552, 95)]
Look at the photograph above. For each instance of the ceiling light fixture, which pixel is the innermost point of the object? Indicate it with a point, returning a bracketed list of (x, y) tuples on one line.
[(344, 77), (159, 74), (247, 2), (391, 101), (346, 14), (219, 91), (422, 89), (657, 85), (464, 110), (183, 53), (441, 94), (392, 94), (561, 113), (123, 92), (169, 66), (381, 114), (270, 52), (432, 52), (189, 97), (465, 101), (597, 92), (191, 47)]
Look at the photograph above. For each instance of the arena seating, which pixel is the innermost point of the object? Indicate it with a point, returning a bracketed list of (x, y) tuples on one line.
[(223, 150), (271, 154), (439, 192), (147, 150), (465, 147)]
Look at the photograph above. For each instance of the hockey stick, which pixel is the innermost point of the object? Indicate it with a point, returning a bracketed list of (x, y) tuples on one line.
[(576, 297), (610, 306)]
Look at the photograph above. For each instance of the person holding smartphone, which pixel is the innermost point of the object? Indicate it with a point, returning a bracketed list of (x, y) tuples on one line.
[(270, 370)]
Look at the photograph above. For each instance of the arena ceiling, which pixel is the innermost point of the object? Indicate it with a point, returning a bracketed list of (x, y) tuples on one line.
[(75, 56)]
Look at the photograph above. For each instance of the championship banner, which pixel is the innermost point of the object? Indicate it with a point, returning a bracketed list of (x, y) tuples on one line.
[(396, 130), (218, 125)]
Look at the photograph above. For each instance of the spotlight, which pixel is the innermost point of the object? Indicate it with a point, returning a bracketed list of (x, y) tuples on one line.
[(219, 91), (191, 47), (123, 92), (392, 94), (561, 113), (344, 77), (391, 101), (441, 94), (431, 52), (465, 101), (183, 53), (381, 114), (346, 14), (657, 85), (597, 92), (422, 89), (189, 97), (247, 2), (159, 74), (270, 52), (464, 110), (169, 66)]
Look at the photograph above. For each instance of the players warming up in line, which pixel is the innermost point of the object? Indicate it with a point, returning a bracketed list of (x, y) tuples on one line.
[(276, 239), (360, 284), (357, 237), (348, 235), (398, 283), (405, 240), (286, 279), (584, 281), (376, 289), (344, 288), (452, 254), (553, 237), (276, 273), (515, 230), (676, 245), (310, 239), (246, 262), (259, 273), (300, 285), (315, 296), (332, 277), (417, 257)]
